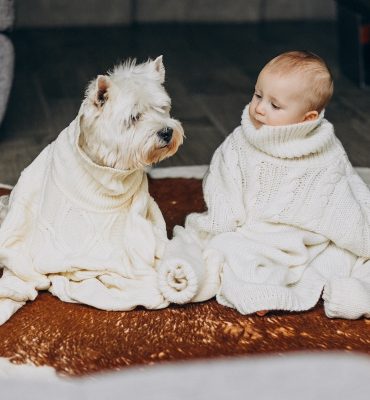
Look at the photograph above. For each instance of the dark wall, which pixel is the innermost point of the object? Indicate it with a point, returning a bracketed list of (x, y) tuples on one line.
[(47, 13)]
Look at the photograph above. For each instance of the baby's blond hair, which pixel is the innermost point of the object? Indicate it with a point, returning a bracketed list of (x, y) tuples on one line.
[(319, 78)]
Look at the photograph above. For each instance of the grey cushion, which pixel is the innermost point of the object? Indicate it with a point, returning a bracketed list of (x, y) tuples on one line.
[(6, 14), (6, 72)]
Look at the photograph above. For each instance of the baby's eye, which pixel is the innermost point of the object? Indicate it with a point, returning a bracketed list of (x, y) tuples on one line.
[(275, 106), (258, 96)]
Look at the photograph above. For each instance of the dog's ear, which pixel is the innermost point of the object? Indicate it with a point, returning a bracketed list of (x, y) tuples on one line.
[(159, 67), (101, 90)]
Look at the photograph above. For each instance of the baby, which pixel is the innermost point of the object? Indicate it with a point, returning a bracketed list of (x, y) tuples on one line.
[(288, 218)]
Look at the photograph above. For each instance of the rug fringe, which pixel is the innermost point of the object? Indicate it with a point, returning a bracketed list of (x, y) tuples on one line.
[(186, 172), (198, 172), (5, 186)]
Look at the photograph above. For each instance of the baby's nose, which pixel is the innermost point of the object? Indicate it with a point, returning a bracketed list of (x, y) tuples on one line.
[(260, 109)]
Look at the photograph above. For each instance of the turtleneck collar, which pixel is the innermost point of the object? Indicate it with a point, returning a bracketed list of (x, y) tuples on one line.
[(93, 186), (290, 141)]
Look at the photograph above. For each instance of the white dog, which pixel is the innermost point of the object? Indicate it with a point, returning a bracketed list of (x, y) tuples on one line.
[(80, 221)]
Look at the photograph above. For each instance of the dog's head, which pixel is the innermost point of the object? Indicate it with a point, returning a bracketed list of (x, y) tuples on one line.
[(125, 117)]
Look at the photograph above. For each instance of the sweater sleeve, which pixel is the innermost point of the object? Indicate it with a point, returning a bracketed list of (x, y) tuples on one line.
[(19, 280), (346, 222), (349, 296), (223, 194), (17, 226), (331, 200)]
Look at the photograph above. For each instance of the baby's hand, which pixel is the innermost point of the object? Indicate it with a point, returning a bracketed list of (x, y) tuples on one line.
[(262, 313)]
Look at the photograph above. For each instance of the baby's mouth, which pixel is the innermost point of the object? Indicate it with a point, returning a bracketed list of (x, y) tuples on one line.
[(257, 124)]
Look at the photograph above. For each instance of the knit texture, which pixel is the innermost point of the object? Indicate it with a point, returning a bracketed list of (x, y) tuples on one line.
[(182, 276), (288, 216), (88, 233)]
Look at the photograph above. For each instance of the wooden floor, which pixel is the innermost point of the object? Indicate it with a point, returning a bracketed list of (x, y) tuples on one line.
[(211, 70)]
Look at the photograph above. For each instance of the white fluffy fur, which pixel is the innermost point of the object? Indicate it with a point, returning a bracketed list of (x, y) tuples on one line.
[(123, 113)]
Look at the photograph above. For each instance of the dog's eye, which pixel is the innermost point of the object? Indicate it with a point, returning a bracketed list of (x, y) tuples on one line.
[(162, 109), (135, 118)]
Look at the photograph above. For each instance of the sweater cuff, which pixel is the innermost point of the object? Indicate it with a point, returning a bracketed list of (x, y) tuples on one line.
[(181, 271), (187, 272), (347, 298)]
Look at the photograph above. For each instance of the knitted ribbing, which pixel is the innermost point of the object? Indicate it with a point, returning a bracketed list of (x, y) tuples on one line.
[(92, 186), (297, 141)]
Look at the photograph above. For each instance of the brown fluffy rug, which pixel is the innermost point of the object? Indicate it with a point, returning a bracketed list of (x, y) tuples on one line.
[(78, 339)]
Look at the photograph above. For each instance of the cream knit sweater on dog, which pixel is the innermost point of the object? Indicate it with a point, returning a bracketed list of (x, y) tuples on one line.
[(287, 217), (88, 233)]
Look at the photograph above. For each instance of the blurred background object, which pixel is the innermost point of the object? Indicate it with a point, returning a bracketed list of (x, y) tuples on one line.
[(63, 13), (330, 376), (354, 39), (6, 53), (213, 51)]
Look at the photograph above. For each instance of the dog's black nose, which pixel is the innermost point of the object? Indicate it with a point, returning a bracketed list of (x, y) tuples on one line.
[(166, 134)]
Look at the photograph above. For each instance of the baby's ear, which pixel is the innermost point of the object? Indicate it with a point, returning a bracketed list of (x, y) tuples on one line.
[(311, 116), (101, 90)]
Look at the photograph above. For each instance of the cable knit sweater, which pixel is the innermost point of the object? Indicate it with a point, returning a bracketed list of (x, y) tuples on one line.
[(88, 233), (287, 216)]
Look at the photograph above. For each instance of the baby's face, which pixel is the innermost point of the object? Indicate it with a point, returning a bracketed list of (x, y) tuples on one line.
[(278, 100)]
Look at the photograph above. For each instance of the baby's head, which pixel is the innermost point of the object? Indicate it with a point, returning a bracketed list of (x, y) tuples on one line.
[(293, 87)]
